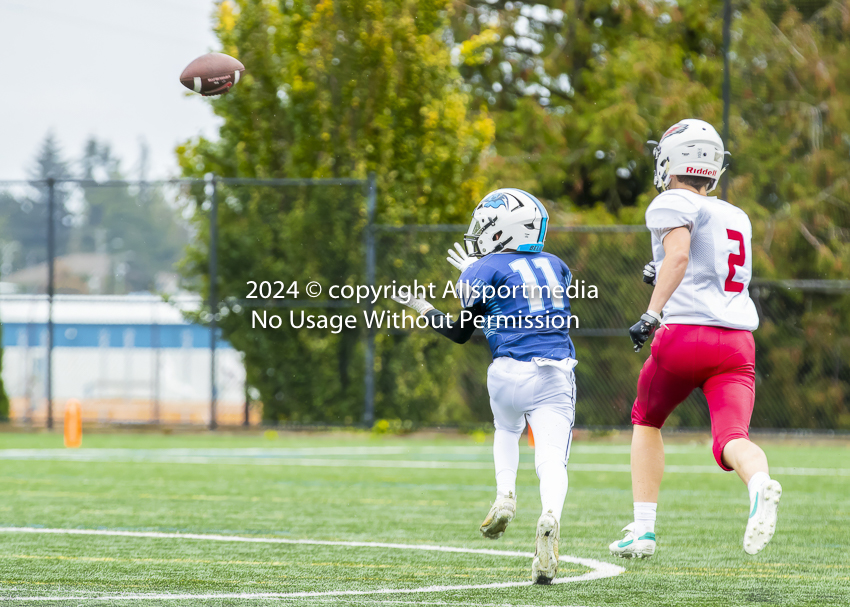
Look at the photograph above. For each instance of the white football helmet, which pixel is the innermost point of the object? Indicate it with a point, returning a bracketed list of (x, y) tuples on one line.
[(507, 220), (689, 147)]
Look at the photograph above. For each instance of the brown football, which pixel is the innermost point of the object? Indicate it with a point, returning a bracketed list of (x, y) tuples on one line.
[(212, 74)]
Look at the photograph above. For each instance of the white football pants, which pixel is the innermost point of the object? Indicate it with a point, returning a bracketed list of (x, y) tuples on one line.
[(543, 393)]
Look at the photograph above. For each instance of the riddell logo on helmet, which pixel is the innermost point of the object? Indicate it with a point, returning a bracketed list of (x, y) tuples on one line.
[(706, 172)]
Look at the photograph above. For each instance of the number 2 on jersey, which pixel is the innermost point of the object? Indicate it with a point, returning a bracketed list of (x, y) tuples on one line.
[(532, 291), (735, 259)]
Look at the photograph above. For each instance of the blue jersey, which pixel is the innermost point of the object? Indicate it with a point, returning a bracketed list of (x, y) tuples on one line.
[(523, 299)]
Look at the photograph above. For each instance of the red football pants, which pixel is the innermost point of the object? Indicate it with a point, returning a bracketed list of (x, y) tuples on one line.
[(685, 357)]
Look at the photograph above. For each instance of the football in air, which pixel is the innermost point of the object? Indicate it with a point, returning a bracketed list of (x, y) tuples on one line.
[(212, 74)]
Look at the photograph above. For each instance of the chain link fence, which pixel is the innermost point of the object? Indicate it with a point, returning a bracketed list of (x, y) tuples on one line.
[(123, 321), (93, 307), (802, 363)]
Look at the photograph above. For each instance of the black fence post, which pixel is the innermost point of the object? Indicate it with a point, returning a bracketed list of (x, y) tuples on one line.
[(213, 251), (51, 279), (727, 24), (369, 233), (155, 344)]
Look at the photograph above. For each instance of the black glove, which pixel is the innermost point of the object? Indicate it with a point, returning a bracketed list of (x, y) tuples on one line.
[(649, 273), (643, 329)]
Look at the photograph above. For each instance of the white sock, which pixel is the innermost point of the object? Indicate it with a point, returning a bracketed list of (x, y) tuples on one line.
[(645, 517), (506, 458), (553, 486), (757, 481)]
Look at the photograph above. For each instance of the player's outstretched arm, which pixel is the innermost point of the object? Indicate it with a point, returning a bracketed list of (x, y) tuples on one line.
[(459, 332), (407, 299)]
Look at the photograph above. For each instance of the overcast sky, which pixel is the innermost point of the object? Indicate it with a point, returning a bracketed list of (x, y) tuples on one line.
[(108, 68)]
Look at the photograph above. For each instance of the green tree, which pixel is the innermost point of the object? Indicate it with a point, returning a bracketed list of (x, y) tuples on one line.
[(791, 172), (24, 224), (136, 226), (26, 215), (334, 89), (575, 88)]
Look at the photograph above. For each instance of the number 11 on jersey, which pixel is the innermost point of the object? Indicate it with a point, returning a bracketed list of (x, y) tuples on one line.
[(531, 287)]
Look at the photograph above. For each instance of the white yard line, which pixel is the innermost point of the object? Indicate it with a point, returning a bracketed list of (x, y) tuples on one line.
[(288, 452), (447, 603), (152, 457), (266, 457), (281, 597), (285, 597), (598, 569)]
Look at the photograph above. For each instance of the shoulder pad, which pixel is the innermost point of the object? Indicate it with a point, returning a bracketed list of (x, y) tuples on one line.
[(671, 210), (478, 270)]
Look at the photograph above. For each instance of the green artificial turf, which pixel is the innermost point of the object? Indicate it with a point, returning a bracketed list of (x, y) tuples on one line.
[(354, 487)]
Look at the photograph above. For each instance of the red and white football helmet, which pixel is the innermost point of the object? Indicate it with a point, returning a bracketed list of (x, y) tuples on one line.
[(689, 147)]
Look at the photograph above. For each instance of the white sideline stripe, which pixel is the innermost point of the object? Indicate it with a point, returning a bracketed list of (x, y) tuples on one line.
[(183, 597), (484, 451), (456, 604), (283, 452), (599, 569), (185, 456), (285, 597)]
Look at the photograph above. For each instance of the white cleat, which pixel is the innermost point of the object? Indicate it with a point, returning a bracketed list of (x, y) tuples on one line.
[(762, 523), (502, 513), (545, 565), (632, 546)]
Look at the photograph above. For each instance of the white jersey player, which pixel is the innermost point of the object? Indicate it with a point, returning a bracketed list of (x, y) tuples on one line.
[(712, 291), (701, 250)]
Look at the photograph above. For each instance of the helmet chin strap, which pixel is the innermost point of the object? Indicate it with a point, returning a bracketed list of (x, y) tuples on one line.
[(716, 181), (501, 245)]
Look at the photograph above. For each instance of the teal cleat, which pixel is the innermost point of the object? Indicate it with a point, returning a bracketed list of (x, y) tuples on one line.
[(762, 523), (631, 546)]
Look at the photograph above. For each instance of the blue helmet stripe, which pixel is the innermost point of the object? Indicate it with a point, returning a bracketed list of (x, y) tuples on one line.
[(543, 223), (544, 220)]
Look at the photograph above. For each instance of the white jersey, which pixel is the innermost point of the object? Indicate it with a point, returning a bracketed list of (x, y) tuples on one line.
[(715, 289)]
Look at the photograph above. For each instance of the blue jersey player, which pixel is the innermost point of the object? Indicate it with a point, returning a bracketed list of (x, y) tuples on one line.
[(517, 295)]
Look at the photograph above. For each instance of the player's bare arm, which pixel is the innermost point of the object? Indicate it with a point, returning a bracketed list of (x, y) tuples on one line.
[(677, 247)]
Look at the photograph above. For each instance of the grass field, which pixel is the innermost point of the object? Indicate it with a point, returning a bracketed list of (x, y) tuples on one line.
[(260, 498)]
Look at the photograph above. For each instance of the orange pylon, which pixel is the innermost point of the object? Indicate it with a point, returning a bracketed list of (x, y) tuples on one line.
[(73, 424), (530, 438)]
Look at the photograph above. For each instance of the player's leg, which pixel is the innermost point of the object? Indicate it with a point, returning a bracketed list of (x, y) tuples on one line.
[(552, 424), (552, 439), (731, 396), (506, 460), (746, 458), (551, 417), (750, 462), (665, 380), (502, 383), (647, 462), (647, 466)]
